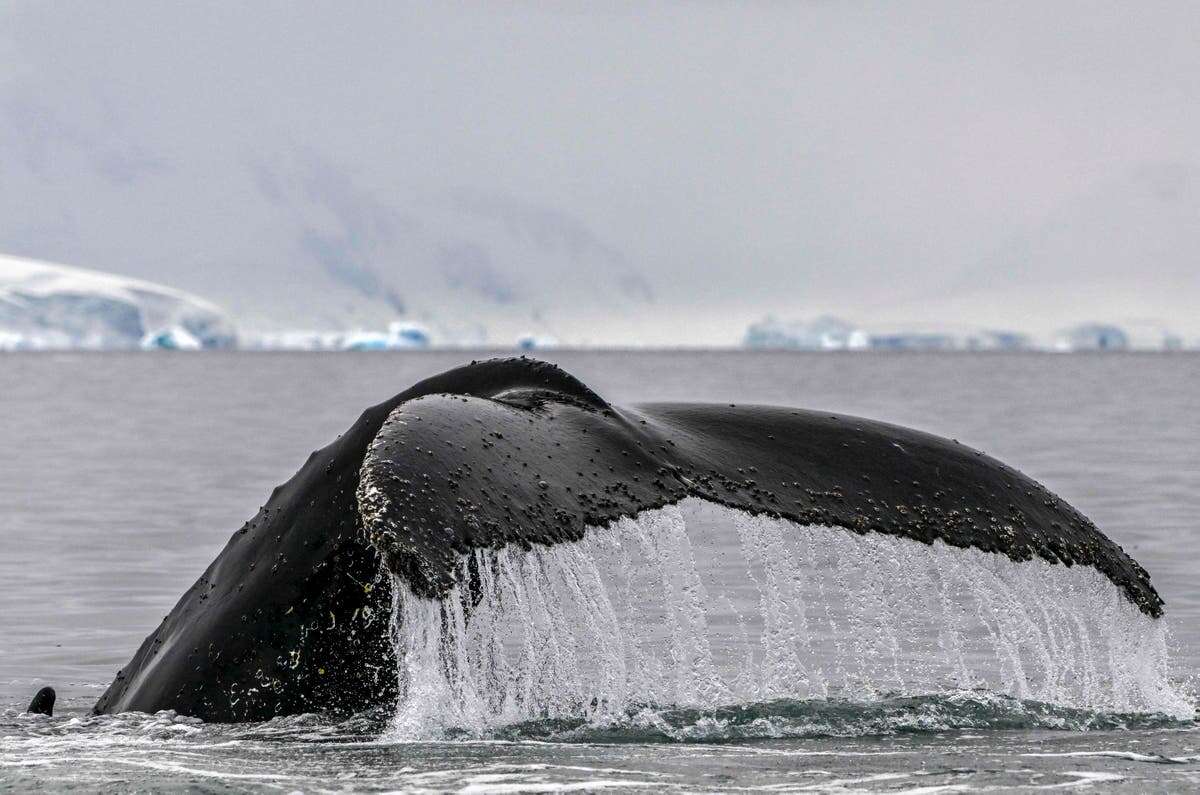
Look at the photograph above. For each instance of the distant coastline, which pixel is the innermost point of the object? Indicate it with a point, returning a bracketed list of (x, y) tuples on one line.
[(51, 307)]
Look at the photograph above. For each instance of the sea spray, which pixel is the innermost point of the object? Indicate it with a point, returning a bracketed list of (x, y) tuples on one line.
[(700, 607)]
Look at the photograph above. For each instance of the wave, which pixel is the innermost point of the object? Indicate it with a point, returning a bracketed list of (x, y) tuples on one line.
[(789, 719)]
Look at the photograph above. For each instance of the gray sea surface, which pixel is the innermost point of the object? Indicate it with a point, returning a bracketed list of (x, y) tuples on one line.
[(123, 475)]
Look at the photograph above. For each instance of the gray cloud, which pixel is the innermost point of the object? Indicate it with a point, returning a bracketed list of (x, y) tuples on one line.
[(622, 173)]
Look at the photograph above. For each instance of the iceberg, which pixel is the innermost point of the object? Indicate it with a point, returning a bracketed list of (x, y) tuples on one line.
[(994, 340), (533, 342), (914, 341), (829, 333), (49, 306), (823, 334), (401, 335), (170, 339), (1092, 337), (10, 341), (292, 340), (365, 341), (934, 338)]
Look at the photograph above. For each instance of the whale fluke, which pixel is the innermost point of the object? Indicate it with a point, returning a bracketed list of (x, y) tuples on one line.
[(293, 615), (449, 473), (43, 702)]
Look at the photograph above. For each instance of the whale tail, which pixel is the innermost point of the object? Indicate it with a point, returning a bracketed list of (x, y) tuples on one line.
[(518, 457)]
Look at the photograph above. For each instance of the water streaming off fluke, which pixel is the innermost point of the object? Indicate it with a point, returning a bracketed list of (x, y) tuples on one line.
[(700, 607)]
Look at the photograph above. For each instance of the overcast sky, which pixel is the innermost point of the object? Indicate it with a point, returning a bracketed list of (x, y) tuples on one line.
[(1025, 165)]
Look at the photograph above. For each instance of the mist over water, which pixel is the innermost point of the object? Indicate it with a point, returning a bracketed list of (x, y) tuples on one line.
[(690, 648)]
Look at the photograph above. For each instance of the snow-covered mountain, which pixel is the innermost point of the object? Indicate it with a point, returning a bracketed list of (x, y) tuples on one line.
[(293, 242), (43, 305), (472, 268)]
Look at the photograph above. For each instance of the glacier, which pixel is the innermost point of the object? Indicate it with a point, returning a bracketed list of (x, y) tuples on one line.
[(46, 306)]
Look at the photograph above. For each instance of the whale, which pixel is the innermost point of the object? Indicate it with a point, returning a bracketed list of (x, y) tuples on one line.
[(293, 615)]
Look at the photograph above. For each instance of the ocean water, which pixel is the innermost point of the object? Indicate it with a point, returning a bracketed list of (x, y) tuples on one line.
[(122, 476)]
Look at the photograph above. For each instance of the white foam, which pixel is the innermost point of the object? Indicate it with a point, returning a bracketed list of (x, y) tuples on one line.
[(697, 605)]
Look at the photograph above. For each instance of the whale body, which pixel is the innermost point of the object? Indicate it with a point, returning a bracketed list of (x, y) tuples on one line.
[(293, 615)]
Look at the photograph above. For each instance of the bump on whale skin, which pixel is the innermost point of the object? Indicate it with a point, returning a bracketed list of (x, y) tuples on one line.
[(293, 614)]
